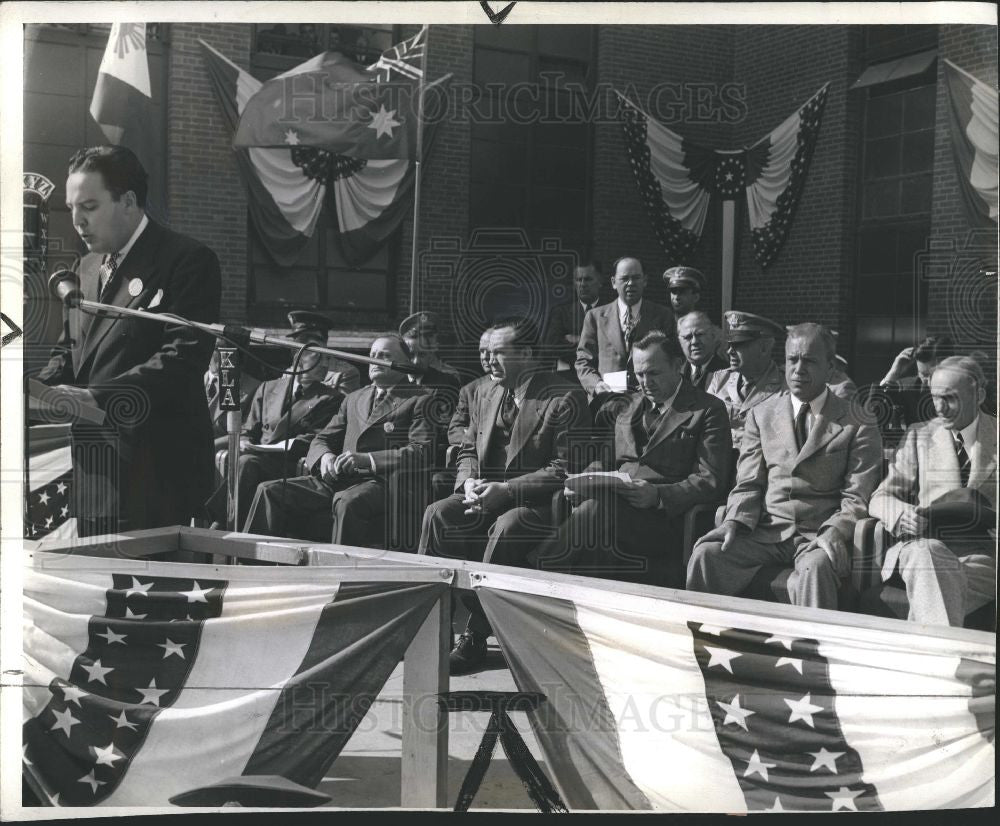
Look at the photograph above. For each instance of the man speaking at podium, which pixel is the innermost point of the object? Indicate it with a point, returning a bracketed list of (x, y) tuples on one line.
[(150, 463)]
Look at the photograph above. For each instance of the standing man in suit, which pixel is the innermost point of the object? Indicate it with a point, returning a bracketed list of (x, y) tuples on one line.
[(292, 407), (379, 430), (608, 334), (213, 392), (752, 376), (699, 339), (952, 457), (513, 459), (673, 441), (685, 284), (150, 463), (562, 333), (807, 469), (908, 381)]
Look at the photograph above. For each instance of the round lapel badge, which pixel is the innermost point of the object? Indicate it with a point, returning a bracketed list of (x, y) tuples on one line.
[(135, 287), (388, 427)]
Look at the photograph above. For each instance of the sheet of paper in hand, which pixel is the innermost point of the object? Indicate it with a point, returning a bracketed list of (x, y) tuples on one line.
[(588, 484), (277, 447), (617, 381)]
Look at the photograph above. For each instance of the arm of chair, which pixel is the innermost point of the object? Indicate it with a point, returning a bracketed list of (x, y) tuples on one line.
[(451, 456), (868, 553)]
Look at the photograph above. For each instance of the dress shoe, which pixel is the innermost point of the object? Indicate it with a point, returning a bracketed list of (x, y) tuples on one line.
[(468, 655)]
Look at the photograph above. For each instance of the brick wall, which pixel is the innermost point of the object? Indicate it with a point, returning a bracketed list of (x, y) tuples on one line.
[(207, 197), (812, 276), (962, 299)]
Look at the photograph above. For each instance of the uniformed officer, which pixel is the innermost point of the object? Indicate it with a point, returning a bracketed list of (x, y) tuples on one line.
[(685, 284), (752, 375)]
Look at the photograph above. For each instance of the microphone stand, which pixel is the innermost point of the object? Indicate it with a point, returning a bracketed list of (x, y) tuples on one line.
[(241, 337)]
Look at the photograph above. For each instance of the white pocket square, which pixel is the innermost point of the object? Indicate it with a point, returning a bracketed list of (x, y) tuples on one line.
[(156, 299)]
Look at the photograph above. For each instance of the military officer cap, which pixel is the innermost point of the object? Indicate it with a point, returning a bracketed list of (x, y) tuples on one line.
[(309, 326), (678, 278), (749, 327), (420, 324)]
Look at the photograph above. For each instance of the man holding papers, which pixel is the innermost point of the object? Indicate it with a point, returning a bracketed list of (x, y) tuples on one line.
[(673, 443)]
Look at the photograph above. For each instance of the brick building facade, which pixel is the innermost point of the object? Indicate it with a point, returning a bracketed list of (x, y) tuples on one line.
[(824, 272)]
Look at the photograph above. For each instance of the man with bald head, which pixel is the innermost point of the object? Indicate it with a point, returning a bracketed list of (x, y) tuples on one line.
[(699, 339), (379, 430), (947, 463), (808, 465), (603, 356)]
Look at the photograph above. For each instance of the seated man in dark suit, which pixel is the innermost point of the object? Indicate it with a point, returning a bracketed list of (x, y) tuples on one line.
[(604, 352), (292, 407), (562, 333), (379, 430), (699, 339), (673, 441), (808, 464), (513, 459)]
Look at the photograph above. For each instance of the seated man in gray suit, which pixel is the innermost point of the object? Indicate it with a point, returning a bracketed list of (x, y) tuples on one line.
[(513, 459), (606, 340), (673, 441), (807, 468), (952, 457), (379, 430)]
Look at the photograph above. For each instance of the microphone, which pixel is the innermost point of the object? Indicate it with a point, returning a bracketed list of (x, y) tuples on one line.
[(65, 285)]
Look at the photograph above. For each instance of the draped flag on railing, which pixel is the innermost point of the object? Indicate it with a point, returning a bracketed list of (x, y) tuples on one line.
[(974, 142), (677, 178), (122, 103), (50, 480), (289, 185), (143, 680), (676, 706)]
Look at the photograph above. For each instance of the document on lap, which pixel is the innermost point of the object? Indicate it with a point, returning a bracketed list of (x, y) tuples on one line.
[(586, 483), (277, 447), (617, 381)]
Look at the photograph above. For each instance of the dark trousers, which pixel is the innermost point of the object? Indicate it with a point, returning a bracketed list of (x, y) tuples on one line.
[(500, 538), (348, 512), (254, 468), (607, 537)]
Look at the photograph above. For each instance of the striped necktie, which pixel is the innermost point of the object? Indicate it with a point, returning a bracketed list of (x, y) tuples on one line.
[(629, 325), (109, 268), (964, 462)]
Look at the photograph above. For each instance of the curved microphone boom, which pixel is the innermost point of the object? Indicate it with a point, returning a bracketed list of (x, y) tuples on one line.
[(65, 285)]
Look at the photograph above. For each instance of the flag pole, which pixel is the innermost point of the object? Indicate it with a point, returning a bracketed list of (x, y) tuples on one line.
[(418, 168)]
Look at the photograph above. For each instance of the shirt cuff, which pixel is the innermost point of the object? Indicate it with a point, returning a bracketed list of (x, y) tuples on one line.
[(371, 459)]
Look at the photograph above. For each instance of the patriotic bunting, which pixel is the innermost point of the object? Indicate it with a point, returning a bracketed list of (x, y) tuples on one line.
[(144, 680), (671, 706), (677, 179), (50, 478), (974, 117)]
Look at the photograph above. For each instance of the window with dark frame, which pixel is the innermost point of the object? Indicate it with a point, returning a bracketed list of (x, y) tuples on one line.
[(895, 194), (320, 279)]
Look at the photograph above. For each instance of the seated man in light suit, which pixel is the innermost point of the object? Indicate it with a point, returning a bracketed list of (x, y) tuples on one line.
[(752, 376), (807, 468), (513, 459), (608, 334), (379, 430), (952, 456), (673, 441)]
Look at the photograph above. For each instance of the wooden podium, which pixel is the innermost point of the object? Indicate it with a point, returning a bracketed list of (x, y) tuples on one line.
[(47, 404)]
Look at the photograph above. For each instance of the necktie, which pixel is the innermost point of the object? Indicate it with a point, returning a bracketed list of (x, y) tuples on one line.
[(377, 402), (964, 462), (650, 419), (109, 268), (629, 326), (508, 410), (299, 393), (742, 386), (801, 431), (213, 389)]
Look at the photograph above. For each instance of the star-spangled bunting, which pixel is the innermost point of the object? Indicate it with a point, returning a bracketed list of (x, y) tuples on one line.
[(677, 178), (779, 726), (49, 506), (134, 667)]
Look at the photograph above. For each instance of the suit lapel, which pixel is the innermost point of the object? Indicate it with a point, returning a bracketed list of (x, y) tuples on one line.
[(490, 406), (763, 389), (528, 418), (394, 398), (984, 452), (825, 427), (941, 470), (678, 413), (271, 409), (612, 327)]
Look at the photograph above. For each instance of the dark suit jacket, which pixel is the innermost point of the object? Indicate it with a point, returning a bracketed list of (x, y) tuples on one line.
[(401, 436), (248, 387), (782, 491), (689, 455), (149, 378), (564, 319), (602, 344), (467, 398), (266, 425), (538, 454), (713, 364)]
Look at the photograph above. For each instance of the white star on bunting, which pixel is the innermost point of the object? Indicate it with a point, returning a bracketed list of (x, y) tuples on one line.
[(91, 781), (64, 720), (72, 694), (291, 137), (735, 714), (803, 710), (106, 756), (61, 488), (197, 594), (383, 122), (121, 721), (781, 640), (112, 637), (152, 694), (843, 798), (138, 588), (794, 663), (777, 807), (757, 766), (721, 657), (96, 672), (130, 615), (43, 497), (170, 647), (825, 758)]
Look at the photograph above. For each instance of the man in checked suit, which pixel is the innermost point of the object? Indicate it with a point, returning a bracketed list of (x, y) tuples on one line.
[(150, 464), (951, 457), (292, 407), (607, 337), (807, 468), (513, 459), (379, 430), (752, 376), (673, 441)]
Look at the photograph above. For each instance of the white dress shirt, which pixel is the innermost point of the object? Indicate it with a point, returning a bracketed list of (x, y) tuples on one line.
[(815, 407), (131, 241), (623, 309)]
